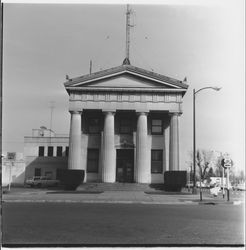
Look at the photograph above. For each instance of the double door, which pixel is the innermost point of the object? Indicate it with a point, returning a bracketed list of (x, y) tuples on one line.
[(124, 165)]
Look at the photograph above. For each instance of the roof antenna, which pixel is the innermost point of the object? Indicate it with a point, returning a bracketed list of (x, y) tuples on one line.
[(52, 106), (90, 66), (128, 26)]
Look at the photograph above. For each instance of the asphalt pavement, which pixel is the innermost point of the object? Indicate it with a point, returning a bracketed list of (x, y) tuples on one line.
[(85, 224)]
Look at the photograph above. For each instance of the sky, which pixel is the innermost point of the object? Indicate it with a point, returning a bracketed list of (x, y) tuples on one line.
[(42, 43)]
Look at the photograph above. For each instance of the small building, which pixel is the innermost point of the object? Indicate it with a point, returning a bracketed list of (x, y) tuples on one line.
[(13, 168), (45, 153), (124, 124)]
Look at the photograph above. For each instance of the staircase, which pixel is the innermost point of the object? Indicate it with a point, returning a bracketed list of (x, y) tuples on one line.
[(118, 187)]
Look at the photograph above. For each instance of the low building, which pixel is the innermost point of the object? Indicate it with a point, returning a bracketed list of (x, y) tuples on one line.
[(45, 153), (13, 168)]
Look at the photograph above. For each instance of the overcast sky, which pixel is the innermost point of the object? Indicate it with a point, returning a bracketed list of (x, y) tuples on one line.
[(205, 43)]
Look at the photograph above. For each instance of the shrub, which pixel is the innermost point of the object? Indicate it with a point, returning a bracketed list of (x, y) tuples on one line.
[(174, 180), (72, 178)]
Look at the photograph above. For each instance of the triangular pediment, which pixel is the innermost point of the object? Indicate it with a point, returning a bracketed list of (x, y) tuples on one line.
[(125, 76), (125, 80)]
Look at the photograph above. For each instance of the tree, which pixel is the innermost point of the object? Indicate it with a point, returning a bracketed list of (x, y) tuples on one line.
[(203, 161)]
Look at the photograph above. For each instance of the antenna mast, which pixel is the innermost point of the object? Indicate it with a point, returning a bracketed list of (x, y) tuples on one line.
[(90, 66), (52, 106), (128, 26)]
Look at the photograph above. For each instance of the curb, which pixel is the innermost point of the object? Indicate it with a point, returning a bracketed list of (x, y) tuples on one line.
[(100, 201), (125, 202), (220, 203)]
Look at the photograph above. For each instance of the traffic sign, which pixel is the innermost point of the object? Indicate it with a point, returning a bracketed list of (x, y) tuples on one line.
[(11, 156), (226, 163)]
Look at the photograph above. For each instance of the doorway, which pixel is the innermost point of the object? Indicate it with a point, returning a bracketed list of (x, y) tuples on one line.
[(124, 165)]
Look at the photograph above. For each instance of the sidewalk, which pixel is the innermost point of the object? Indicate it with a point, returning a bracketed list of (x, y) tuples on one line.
[(127, 197)]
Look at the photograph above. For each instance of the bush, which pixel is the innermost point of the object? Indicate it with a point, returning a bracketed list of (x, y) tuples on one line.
[(72, 178), (174, 180)]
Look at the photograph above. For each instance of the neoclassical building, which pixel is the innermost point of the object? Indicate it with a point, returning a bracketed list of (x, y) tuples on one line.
[(124, 124)]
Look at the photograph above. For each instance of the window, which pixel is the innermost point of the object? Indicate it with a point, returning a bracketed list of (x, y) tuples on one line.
[(50, 151), (41, 151), (94, 125), (156, 161), (37, 172), (92, 160), (156, 127), (48, 175), (59, 151), (67, 151), (125, 126)]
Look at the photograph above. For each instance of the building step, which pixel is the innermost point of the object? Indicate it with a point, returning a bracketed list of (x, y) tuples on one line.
[(119, 187)]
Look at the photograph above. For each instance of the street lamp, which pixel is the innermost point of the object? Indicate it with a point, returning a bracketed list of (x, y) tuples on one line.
[(194, 191)]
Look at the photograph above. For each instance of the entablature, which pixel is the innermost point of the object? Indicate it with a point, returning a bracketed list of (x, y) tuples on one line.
[(122, 96)]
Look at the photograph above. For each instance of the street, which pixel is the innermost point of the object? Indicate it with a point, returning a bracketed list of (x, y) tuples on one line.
[(86, 224)]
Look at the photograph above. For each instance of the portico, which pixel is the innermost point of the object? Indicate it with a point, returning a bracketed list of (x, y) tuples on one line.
[(124, 124)]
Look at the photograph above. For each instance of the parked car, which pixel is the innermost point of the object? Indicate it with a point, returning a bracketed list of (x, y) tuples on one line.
[(240, 187), (203, 185), (41, 181), (215, 190), (189, 185)]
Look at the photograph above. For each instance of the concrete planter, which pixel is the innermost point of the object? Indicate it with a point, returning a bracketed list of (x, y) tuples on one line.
[(71, 178), (174, 180)]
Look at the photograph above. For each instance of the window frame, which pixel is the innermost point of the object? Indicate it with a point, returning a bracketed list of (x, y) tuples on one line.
[(90, 118), (152, 126), (95, 160), (123, 119), (48, 153), (67, 151), (39, 148), (57, 151), (39, 170), (155, 161)]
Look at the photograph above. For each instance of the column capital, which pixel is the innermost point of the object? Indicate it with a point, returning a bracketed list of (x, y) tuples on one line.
[(109, 111), (142, 113), (175, 113), (75, 112)]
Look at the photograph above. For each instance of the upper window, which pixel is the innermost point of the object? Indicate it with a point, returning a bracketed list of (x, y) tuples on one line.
[(67, 151), (50, 151), (156, 127), (59, 151), (156, 161), (41, 151), (94, 125), (92, 160), (125, 126)]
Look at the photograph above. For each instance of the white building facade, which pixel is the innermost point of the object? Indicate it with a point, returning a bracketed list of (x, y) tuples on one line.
[(124, 124), (46, 153)]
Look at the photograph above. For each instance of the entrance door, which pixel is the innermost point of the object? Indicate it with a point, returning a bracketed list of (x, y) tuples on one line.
[(125, 165)]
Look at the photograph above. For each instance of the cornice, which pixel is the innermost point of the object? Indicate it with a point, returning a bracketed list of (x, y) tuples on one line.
[(133, 90), (126, 69)]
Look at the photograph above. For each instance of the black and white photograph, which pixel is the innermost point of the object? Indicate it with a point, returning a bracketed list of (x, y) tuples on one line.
[(123, 124)]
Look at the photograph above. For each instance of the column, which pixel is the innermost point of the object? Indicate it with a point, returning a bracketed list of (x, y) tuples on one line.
[(108, 149), (174, 143), (74, 157), (143, 168)]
